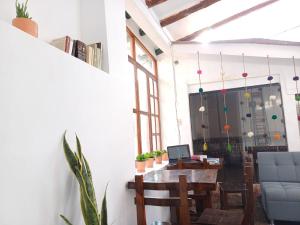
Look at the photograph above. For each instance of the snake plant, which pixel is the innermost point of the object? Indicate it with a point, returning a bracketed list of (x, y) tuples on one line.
[(21, 10), (82, 172)]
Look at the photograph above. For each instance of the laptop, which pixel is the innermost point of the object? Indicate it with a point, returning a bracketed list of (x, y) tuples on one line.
[(179, 152)]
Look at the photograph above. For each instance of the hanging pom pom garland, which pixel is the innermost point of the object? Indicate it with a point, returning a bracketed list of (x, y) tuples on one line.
[(247, 96), (272, 97), (202, 107), (297, 96), (223, 92)]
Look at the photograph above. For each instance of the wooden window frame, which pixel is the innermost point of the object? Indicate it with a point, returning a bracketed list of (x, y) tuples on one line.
[(152, 77)]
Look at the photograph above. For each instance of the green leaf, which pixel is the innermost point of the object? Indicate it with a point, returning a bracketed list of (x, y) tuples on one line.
[(91, 213), (104, 209), (66, 220), (70, 156), (79, 148)]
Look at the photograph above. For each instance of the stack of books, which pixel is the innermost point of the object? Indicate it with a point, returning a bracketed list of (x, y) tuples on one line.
[(92, 54)]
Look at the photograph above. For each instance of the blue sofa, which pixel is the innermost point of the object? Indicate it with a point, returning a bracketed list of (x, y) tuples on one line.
[(279, 176)]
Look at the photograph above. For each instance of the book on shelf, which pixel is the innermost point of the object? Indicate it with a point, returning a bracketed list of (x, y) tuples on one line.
[(65, 44), (92, 54)]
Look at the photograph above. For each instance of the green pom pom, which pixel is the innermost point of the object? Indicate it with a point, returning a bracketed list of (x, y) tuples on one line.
[(297, 97), (225, 109), (200, 90), (274, 117), (229, 148)]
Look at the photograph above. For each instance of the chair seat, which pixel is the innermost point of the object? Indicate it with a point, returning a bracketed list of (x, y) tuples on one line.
[(220, 217), (232, 187)]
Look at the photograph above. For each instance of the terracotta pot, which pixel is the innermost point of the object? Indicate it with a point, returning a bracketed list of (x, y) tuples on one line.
[(140, 166), (158, 160), (149, 163), (26, 25), (165, 157)]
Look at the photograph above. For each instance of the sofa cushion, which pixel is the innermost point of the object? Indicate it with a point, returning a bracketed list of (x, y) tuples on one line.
[(281, 191), (279, 166)]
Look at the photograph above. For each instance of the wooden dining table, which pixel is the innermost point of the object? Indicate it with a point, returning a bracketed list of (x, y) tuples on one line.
[(198, 180)]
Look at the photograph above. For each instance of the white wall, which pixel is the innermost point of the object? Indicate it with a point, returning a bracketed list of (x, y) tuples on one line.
[(256, 67), (55, 18), (43, 91)]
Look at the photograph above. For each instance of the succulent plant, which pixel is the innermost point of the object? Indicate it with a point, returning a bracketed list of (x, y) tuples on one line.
[(21, 10), (140, 157), (149, 155), (157, 153), (82, 172)]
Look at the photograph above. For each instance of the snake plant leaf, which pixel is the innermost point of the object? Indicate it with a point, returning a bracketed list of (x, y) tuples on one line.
[(90, 210), (70, 156), (66, 220), (86, 173), (104, 209), (79, 148)]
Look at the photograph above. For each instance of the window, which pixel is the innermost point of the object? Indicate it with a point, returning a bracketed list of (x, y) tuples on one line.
[(143, 68)]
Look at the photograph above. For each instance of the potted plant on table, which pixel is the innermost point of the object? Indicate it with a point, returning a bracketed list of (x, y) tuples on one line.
[(164, 155), (23, 21), (158, 156), (149, 159), (140, 163)]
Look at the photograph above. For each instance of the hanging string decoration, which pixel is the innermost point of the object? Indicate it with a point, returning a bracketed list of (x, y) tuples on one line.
[(274, 117), (225, 107), (297, 96), (247, 96), (202, 106)]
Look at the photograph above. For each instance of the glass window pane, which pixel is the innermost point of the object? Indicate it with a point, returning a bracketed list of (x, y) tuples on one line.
[(152, 101), (135, 134), (156, 107), (151, 86), (157, 125), (153, 119), (155, 89), (131, 77), (129, 47), (144, 59), (154, 138), (143, 97), (145, 133)]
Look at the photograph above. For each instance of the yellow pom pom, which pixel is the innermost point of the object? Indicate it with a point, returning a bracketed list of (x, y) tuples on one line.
[(205, 147), (247, 95)]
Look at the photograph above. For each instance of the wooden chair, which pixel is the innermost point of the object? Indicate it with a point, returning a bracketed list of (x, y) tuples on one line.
[(223, 217), (181, 203), (230, 188)]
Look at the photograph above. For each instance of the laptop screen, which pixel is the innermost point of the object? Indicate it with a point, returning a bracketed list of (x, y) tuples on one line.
[(178, 152)]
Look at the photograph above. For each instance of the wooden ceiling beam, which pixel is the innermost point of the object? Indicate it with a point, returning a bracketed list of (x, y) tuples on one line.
[(186, 12), (151, 3), (227, 20)]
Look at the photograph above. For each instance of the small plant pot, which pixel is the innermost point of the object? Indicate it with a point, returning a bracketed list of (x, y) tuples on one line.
[(149, 162), (165, 157), (158, 160), (26, 25), (140, 166)]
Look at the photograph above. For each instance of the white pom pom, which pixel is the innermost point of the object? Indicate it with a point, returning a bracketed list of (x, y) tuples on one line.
[(202, 109), (272, 97), (250, 134)]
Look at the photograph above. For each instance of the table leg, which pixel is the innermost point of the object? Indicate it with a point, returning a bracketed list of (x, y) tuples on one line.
[(207, 201)]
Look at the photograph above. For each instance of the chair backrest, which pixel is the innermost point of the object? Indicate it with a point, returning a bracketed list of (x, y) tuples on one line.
[(181, 165), (178, 152), (279, 166), (250, 197), (182, 202)]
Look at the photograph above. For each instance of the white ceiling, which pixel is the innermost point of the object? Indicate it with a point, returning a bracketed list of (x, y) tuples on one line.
[(278, 21)]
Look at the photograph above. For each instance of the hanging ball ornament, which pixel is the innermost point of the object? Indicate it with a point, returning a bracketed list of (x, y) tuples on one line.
[(298, 117), (274, 117), (202, 109), (297, 97), (295, 78), (226, 127), (270, 78), (200, 90), (229, 147), (205, 147), (250, 134), (272, 97), (277, 136), (225, 109), (247, 95), (203, 126), (199, 72), (245, 75), (248, 115), (223, 91)]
